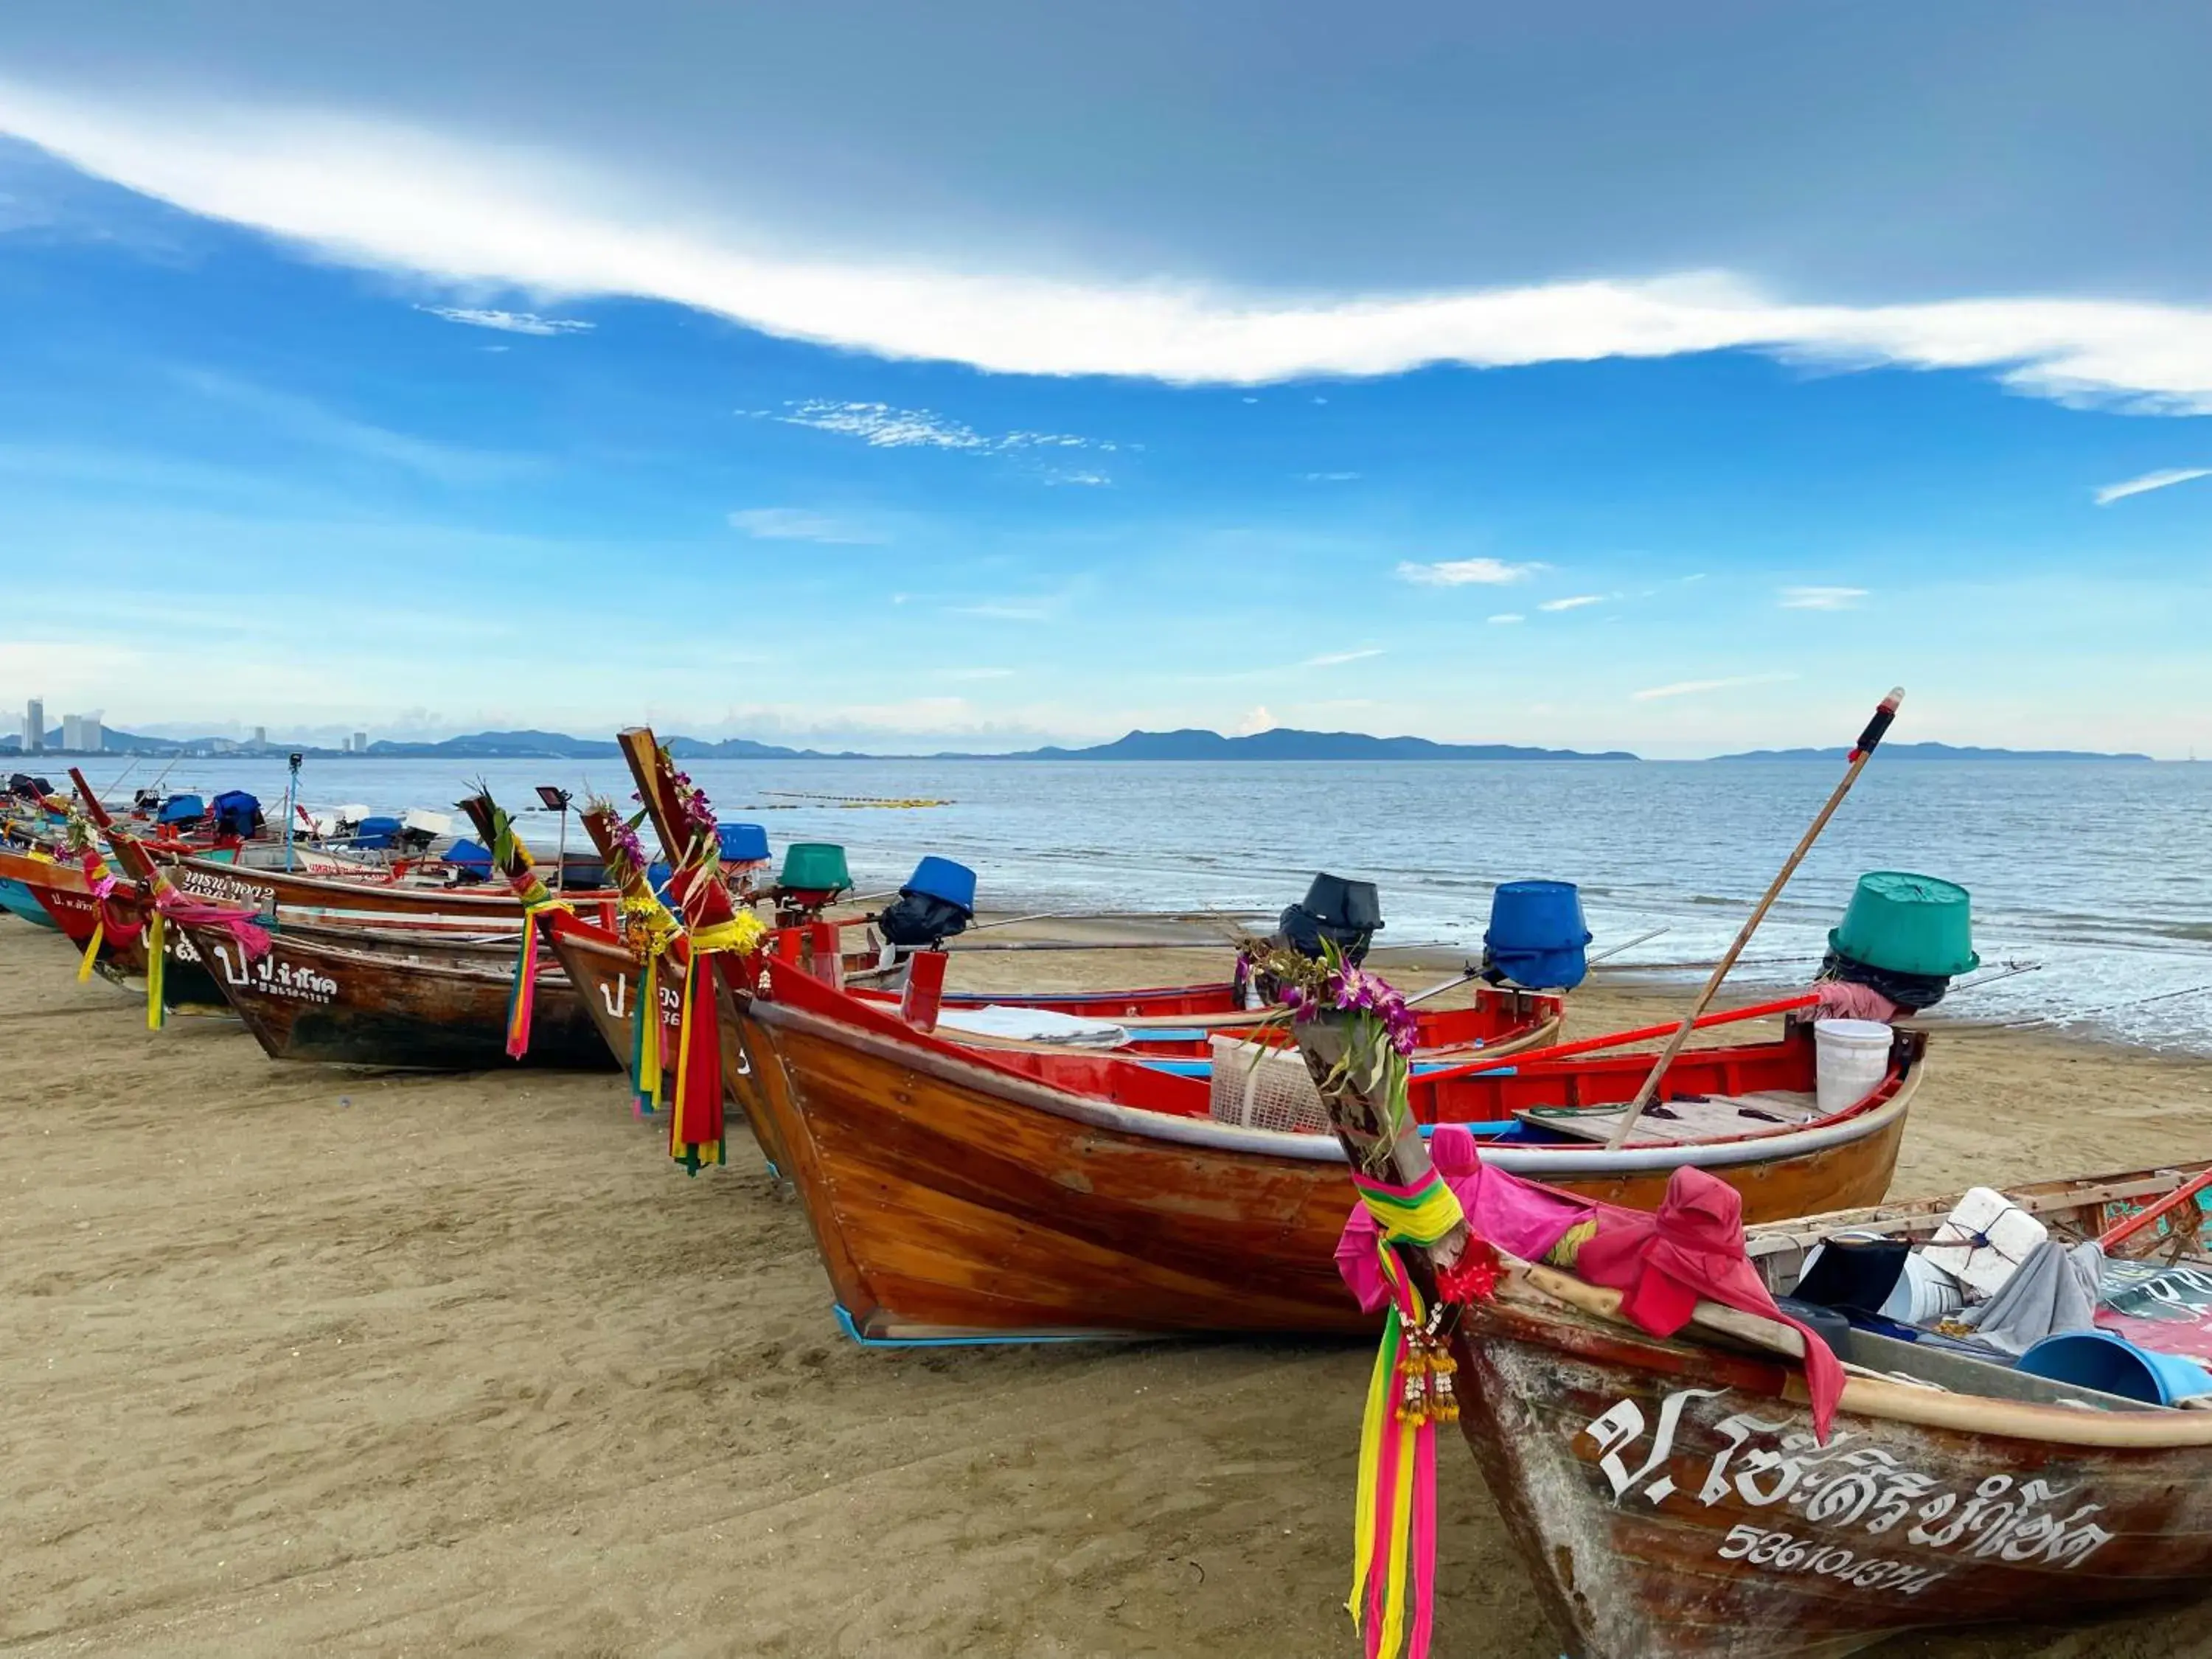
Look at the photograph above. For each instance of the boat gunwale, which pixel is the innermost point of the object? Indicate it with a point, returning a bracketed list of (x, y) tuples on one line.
[(1860, 1122)]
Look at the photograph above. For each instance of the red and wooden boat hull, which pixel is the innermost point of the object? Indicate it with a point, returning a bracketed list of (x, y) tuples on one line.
[(285, 897), (972, 1194), (1670, 1502), (66, 895)]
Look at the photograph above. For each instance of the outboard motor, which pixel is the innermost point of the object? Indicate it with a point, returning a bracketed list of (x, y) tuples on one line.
[(237, 813), (1536, 936), (938, 902), (814, 873), (1346, 913), (1904, 937)]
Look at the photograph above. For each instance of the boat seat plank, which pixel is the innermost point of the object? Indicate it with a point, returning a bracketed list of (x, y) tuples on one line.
[(1765, 1111)]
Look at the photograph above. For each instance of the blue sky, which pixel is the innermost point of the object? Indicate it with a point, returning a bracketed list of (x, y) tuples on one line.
[(1593, 381)]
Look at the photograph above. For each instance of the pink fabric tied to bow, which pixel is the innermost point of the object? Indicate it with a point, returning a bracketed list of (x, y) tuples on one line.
[(242, 928), (1662, 1262), (1517, 1216)]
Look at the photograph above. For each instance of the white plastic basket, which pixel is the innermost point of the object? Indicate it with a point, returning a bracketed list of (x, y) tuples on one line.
[(1256, 1085)]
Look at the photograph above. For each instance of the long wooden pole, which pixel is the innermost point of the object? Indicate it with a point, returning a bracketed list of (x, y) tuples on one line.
[(1862, 752)]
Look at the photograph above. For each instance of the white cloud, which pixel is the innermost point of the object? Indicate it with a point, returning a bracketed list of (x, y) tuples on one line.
[(1509, 617), (1821, 598), (1000, 610), (2149, 481), (381, 195), (799, 524), (881, 426), (1327, 477), (1572, 602), (1338, 658), (1459, 572), (1094, 480), (1693, 688), (512, 322), (1257, 719)]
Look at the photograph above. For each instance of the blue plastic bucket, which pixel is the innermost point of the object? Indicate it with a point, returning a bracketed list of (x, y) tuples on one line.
[(941, 878), (742, 843), (2112, 1364), (1536, 934)]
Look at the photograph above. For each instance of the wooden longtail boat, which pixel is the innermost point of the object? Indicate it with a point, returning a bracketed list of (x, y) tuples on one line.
[(283, 896), (64, 896), (963, 1193), (423, 1003), (1670, 1501)]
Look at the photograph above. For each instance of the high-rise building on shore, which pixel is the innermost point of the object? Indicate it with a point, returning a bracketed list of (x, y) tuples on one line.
[(260, 737), (84, 734), (360, 742), (34, 726)]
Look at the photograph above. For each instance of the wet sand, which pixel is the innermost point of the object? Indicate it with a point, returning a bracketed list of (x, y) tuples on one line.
[(299, 1358)]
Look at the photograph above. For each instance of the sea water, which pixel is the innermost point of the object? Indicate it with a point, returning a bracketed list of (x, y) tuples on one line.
[(2099, 871)]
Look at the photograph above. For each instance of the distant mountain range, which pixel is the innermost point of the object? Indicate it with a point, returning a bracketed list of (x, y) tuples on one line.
[(1190, 743), (1933, 752), (1285, 743)]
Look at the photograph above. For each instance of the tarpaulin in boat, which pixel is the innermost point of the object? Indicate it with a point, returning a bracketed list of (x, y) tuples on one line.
[(181, 809)]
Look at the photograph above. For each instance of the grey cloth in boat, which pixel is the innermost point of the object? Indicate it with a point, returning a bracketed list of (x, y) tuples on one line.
[(2054, 1290)]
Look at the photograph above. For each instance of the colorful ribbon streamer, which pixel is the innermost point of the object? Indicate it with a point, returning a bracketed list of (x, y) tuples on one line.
[(696, 1126), (645, 1038), (1394, 1519), (522, 999)]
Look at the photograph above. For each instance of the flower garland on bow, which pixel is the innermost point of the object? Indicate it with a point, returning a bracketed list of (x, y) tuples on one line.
[(696, 1126)]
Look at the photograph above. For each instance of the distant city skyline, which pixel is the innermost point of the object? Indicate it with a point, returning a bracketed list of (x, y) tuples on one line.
[(1674, 382)]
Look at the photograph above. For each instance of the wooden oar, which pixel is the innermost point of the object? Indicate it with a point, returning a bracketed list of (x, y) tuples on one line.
[(1862, 752)]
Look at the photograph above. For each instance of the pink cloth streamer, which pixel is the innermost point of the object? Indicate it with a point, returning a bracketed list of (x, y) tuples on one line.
[(1519, 1216), (243, 927)]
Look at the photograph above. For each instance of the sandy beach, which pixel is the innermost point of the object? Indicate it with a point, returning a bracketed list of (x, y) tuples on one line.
[(297, 1359)]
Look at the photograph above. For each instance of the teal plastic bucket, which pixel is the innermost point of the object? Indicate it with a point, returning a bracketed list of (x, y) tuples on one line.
[(1902, 923)]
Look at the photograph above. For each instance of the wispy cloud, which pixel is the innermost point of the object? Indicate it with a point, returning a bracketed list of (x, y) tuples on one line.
[(1572, 602), (2150, 480), (510, 322), (799, 524), (1327, 477), (1338, 658), (1461, 572), (881, 426), (1092, 480), (304, 420), (1820, 599), (1696, 688), (383, 195), (1001, 611), (1509, 617)]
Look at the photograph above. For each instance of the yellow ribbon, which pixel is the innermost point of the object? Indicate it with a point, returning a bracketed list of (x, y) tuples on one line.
[(156, 970), (92, 950)]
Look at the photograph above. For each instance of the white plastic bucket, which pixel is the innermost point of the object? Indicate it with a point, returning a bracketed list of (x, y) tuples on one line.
[(1925, 1294), (1852, 1059)]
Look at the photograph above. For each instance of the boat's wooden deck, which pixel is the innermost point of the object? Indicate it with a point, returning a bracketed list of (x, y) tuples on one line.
[(1673, 1122)]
